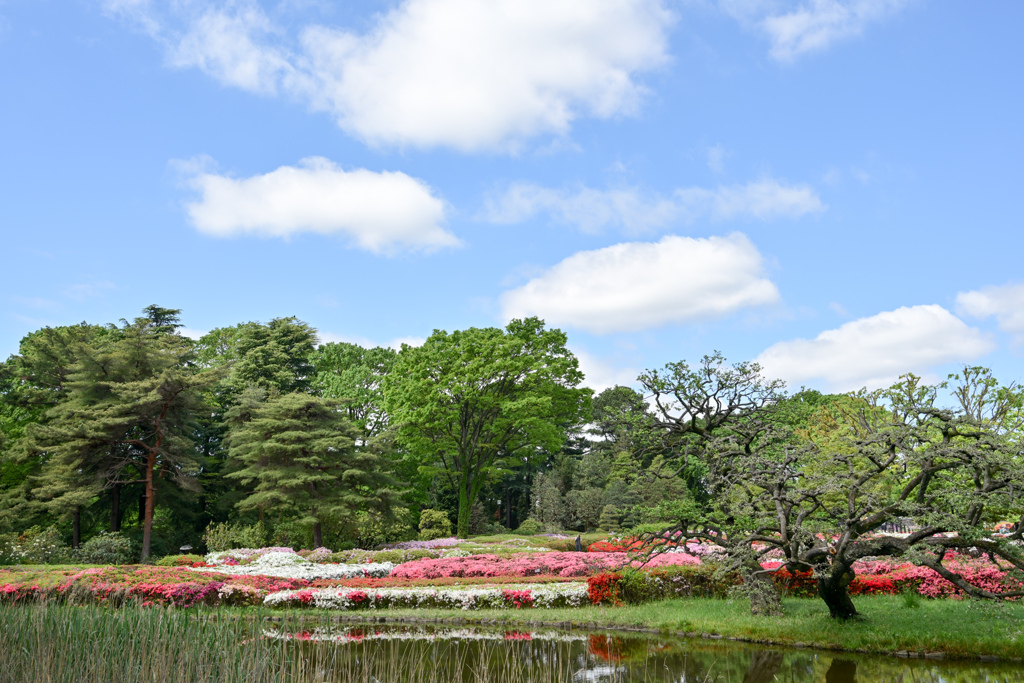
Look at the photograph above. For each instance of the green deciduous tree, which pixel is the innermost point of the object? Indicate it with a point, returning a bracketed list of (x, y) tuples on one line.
[(297, 452), (355, 375), (471, 401)]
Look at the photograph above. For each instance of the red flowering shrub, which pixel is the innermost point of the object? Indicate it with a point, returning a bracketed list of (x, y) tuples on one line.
[(603, 589), (519, 599)]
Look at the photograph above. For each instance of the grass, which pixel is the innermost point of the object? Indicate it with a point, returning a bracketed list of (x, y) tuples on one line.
[(56, 643), (59, 644), (959, 628)]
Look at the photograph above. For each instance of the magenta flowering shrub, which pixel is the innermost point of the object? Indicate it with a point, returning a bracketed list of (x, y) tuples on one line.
[(425, 545), (531, 564), (887, 577)]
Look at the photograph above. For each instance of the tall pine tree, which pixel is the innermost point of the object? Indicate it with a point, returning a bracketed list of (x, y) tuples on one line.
[(297, 451)]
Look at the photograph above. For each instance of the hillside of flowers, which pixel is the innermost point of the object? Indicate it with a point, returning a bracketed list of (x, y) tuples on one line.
[(442, 575)]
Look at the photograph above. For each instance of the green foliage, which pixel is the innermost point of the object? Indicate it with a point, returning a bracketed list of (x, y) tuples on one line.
[(34, 546), (530, 527), (708, 580), (183, 560), (225, 536), (469, 402), (355, 375), (434, 524), (274, 357), (297, 452), (107, 548), (611, 519)]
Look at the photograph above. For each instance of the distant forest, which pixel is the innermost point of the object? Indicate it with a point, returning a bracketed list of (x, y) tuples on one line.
[(133, 428)]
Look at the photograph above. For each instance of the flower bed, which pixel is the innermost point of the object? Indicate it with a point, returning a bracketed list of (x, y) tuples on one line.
[(553, 563), (484, 597), (884, 577), (289, 565), (147, 584), (424, 545)]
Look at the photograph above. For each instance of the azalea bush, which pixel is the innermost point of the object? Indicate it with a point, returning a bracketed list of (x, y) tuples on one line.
[(484, 597), (286, 563), (886, 577), (633, 586), (147, 585), (553, 563)]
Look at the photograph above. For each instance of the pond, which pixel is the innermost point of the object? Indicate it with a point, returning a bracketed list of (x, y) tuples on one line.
[(437, 654)]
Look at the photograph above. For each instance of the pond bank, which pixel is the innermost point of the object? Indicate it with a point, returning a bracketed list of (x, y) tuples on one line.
[(936, 629)]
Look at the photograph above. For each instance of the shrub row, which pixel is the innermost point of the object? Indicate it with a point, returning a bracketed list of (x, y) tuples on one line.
[(635, 586)]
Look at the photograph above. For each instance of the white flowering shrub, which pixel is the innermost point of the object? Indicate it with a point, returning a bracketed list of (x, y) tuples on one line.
[(35, 546), (287, 564), (469, 598)]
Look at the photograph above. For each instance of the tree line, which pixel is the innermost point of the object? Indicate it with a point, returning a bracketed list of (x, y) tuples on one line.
[(134, 428)]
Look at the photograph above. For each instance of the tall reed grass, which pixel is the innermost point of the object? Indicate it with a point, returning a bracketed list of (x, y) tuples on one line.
[(67, 644)]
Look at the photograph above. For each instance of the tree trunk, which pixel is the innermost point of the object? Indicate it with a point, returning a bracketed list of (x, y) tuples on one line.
[(318, 538), (764, 666), (76, 527), (462, 525), (764, 596), (147, 524), (115, 508), (841, 671), (832, 588), (142, 507)]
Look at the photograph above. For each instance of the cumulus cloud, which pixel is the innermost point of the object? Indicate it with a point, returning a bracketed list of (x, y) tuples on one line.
[(811, 26), (1006, 303), (639, 285), (875, 351), (636, 212), (468, 74), (600, 374), (381, 212)]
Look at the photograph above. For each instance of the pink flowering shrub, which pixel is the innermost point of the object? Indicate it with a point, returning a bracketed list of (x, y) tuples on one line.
[(531, 564), (886, 577), (176, 586)]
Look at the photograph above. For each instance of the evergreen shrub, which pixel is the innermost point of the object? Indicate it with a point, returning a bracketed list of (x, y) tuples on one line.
[(434, 524), (225, 536), (106, 548), (180, 560), (530, 527)]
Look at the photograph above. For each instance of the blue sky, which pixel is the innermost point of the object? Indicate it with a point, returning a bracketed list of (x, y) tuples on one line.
[(831, 187)]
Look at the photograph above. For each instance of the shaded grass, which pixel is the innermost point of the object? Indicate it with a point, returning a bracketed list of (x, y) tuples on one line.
[(962, 628)]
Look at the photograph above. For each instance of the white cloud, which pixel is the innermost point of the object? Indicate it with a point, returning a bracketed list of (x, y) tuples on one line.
[(812, 25), (875, 351), (366, 343), (639, 285), (380, 212), (233, 48), (1006, 303), (192, 333), (636, 212), (599, 374), (468, 74)]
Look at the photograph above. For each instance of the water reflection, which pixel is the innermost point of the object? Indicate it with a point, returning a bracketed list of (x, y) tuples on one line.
[(425, 654)]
